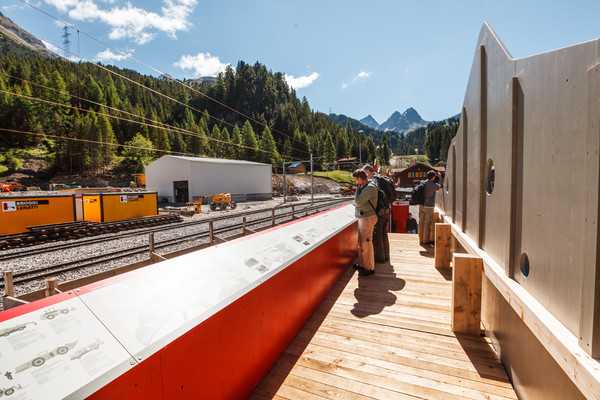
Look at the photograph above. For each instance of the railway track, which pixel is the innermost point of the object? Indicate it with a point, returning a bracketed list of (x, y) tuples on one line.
[(80, 229), (176, 224), (53, 270)]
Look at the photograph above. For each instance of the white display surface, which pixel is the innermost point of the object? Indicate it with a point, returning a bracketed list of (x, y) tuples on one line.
[(50, 353), (79, 345)]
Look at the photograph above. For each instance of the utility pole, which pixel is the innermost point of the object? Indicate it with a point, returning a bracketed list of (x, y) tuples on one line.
[(312, 186), (284, 187), (66, 40), (360, 132)]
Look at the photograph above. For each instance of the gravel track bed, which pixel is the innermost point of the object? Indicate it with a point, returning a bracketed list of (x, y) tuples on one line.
[(192, 232)]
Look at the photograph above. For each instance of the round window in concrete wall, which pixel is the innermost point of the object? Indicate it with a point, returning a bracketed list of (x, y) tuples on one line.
[(524, 265), (490, 176)]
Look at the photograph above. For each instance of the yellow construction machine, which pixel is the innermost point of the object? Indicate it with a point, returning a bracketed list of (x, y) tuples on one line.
[(222, 201), (195, 206)]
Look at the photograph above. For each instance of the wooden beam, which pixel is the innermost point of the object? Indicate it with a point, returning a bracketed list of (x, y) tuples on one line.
[(558, 341), (466, 294), (11, 302), (157, 257), (51, 286), (443, 245), (9, 288)]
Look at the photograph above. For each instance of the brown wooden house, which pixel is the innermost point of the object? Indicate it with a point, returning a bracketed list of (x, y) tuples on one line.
[(297, 168), (408, 177), (347, 164)]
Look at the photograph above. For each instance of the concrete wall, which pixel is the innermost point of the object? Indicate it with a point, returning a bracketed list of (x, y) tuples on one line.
[(536, 121), (161, 174)]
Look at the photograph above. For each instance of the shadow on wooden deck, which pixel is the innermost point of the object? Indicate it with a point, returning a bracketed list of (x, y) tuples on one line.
[(388, 336)]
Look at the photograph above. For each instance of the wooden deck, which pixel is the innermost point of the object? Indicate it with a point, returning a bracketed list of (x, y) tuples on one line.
[(387, 336)]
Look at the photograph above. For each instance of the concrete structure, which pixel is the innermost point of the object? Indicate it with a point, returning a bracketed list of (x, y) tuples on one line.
[(184, 179), (206, 325), (521, 192)]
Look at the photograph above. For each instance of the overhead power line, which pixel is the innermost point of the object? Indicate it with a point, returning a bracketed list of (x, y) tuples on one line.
[(92, 141), (178, 130), (156, 70), (152, 91)]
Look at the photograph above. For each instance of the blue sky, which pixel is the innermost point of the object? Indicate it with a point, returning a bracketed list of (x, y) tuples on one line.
[(348, 57)]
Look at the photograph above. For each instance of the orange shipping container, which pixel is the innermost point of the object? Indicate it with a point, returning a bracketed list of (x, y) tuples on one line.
[(20, 212), (107, 207)]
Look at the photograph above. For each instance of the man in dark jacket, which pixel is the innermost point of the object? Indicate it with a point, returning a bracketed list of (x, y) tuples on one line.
[(426, 230), (381, 243), (411, 224)]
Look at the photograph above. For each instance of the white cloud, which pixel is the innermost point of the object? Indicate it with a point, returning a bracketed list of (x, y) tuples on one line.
[(57, 50), (203, 64), (52, 47), (130, 22), (301, 81), (107, 56), (62, 5), (362, 75)]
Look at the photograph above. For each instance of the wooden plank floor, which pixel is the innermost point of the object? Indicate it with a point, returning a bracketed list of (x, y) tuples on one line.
[(387, 336)]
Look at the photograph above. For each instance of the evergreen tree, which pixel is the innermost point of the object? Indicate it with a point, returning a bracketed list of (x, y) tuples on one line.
[(384, 152), (236, 138), (287, 147), (107, 135), (329, 150), (136, 157), (90, 90), (216, 145), (198, 143), (226, 147), (249, 140), (368, 150), (269, 155)]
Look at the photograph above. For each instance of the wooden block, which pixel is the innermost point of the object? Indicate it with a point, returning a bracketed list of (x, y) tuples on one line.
[(466, 293), (8, 284), (51, 285), (443, 245)]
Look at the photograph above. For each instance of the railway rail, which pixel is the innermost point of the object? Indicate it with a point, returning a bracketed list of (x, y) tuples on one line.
[(75, 230), (36, 274), (174, 224)]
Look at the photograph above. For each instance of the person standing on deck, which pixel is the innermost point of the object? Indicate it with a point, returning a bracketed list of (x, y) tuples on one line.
[(381, 243), (426, 209), (365, 201)]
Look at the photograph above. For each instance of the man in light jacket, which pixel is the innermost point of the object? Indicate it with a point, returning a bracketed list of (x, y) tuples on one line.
[(365, 202)]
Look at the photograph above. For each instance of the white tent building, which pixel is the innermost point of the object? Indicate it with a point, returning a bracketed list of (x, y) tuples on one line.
[(184, 179)]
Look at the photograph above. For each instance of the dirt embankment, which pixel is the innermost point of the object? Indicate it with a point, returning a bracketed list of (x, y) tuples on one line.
[(35, 172), (302, 184)]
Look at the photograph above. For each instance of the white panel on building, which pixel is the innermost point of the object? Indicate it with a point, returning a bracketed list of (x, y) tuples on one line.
[(184, 179)]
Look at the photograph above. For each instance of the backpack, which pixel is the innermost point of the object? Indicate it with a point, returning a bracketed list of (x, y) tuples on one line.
[(418, 193), (387, 186), (382, 203)]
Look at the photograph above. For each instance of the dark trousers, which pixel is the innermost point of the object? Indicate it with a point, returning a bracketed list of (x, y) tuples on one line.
[(381, 244)]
